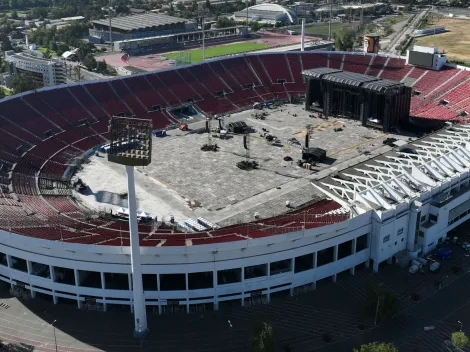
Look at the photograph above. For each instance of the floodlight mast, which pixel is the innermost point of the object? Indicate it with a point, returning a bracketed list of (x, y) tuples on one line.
[(131, 145)]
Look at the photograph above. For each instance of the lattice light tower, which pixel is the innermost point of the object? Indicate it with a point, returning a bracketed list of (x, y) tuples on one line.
[(131, 145)]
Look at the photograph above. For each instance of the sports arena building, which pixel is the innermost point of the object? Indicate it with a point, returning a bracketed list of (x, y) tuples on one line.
[(396, 204), (138, 26)]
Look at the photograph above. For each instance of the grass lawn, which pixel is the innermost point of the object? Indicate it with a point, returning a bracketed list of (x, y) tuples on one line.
[(396, 19), (323, 28), (43, 50), (221, 50), (455, 42)]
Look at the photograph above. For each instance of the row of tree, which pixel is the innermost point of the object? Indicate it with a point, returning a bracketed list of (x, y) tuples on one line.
[(263, 340)]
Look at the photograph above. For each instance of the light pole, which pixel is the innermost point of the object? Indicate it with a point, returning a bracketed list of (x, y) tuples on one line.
[(55, 338), (247, 5), (110, 30), (461, 324), (131, 145)]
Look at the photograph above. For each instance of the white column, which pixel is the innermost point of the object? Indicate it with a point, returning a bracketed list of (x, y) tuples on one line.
[(103, 288), (302, 37), (159, 295), (335, 258), (353, 251), (140, 315), (214, 283), (29, 265), (291, 291), (243, 286), (75, 274)]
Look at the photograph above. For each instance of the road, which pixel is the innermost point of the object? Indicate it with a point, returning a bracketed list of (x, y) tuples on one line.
[(85, 74), (408, 29)]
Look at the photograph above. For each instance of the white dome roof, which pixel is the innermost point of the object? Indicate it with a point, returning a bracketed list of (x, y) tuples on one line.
[(273, 8)]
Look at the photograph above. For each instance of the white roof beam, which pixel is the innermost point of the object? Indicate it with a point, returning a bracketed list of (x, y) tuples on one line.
[(341, 191), (437, 163), (370, 182), (452, 163), (403, 187), (332, 195), (374, 197), (421, 177), (356, 187)]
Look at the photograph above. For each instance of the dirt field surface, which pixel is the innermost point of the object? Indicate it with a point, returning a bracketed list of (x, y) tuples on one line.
[(455, 43), (156, 62)]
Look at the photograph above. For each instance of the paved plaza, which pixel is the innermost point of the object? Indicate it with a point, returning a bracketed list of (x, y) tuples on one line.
[(299, 321)]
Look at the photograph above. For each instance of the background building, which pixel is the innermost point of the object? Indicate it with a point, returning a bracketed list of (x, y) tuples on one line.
[(267, 13), (45, 72), (138, 26)]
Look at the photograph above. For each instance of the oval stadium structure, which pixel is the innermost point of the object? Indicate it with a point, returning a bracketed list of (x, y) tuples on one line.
[(393, 204)]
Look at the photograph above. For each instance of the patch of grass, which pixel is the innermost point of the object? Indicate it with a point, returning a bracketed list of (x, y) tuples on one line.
[(455, 42), (323, 28), (43, 50), (214, 51), (396, 19)]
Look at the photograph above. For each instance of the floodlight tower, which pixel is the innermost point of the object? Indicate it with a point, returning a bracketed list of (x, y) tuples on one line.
[(131, 145)]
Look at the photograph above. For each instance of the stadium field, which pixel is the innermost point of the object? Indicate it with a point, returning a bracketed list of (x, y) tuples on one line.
[(454, 42), (214, 51)]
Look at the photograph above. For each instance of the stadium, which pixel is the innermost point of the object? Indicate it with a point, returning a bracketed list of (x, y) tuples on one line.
[(239, 236)]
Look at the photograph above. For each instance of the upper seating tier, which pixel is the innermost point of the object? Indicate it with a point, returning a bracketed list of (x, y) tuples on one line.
[(42, 132)]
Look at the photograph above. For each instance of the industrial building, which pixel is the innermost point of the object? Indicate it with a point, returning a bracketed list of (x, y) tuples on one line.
[(45, 72), (138, 26)]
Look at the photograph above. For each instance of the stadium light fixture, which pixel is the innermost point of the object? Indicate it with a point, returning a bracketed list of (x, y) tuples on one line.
[(131, 145)]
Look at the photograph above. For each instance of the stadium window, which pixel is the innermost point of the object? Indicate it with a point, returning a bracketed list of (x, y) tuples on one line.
[(3, 259), (386, 238), (433, 217), (400, 231), (303, 263)]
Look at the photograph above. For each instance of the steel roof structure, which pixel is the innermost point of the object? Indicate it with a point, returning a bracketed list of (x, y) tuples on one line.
[(402, 174), (141, 22)]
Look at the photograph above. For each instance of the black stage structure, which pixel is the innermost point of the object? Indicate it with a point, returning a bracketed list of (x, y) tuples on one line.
[(375, 102)]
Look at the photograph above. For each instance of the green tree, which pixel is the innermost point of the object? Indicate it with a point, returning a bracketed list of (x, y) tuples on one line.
[(254, 26), (344, 39), (14, 15), (377, 347), (378, 296), (47, 54), (263, 338), (6, 44), (53, 45), (101, 66), (2, 95), (89, 62), (23, 83), (14, 4), (459, 339)]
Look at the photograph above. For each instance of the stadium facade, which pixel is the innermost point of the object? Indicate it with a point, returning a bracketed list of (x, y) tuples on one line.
[(395, 205)]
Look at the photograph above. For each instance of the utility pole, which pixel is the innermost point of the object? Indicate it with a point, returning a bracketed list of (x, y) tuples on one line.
[(110, 30), (331, 16), (362, 13), (247, 3)]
